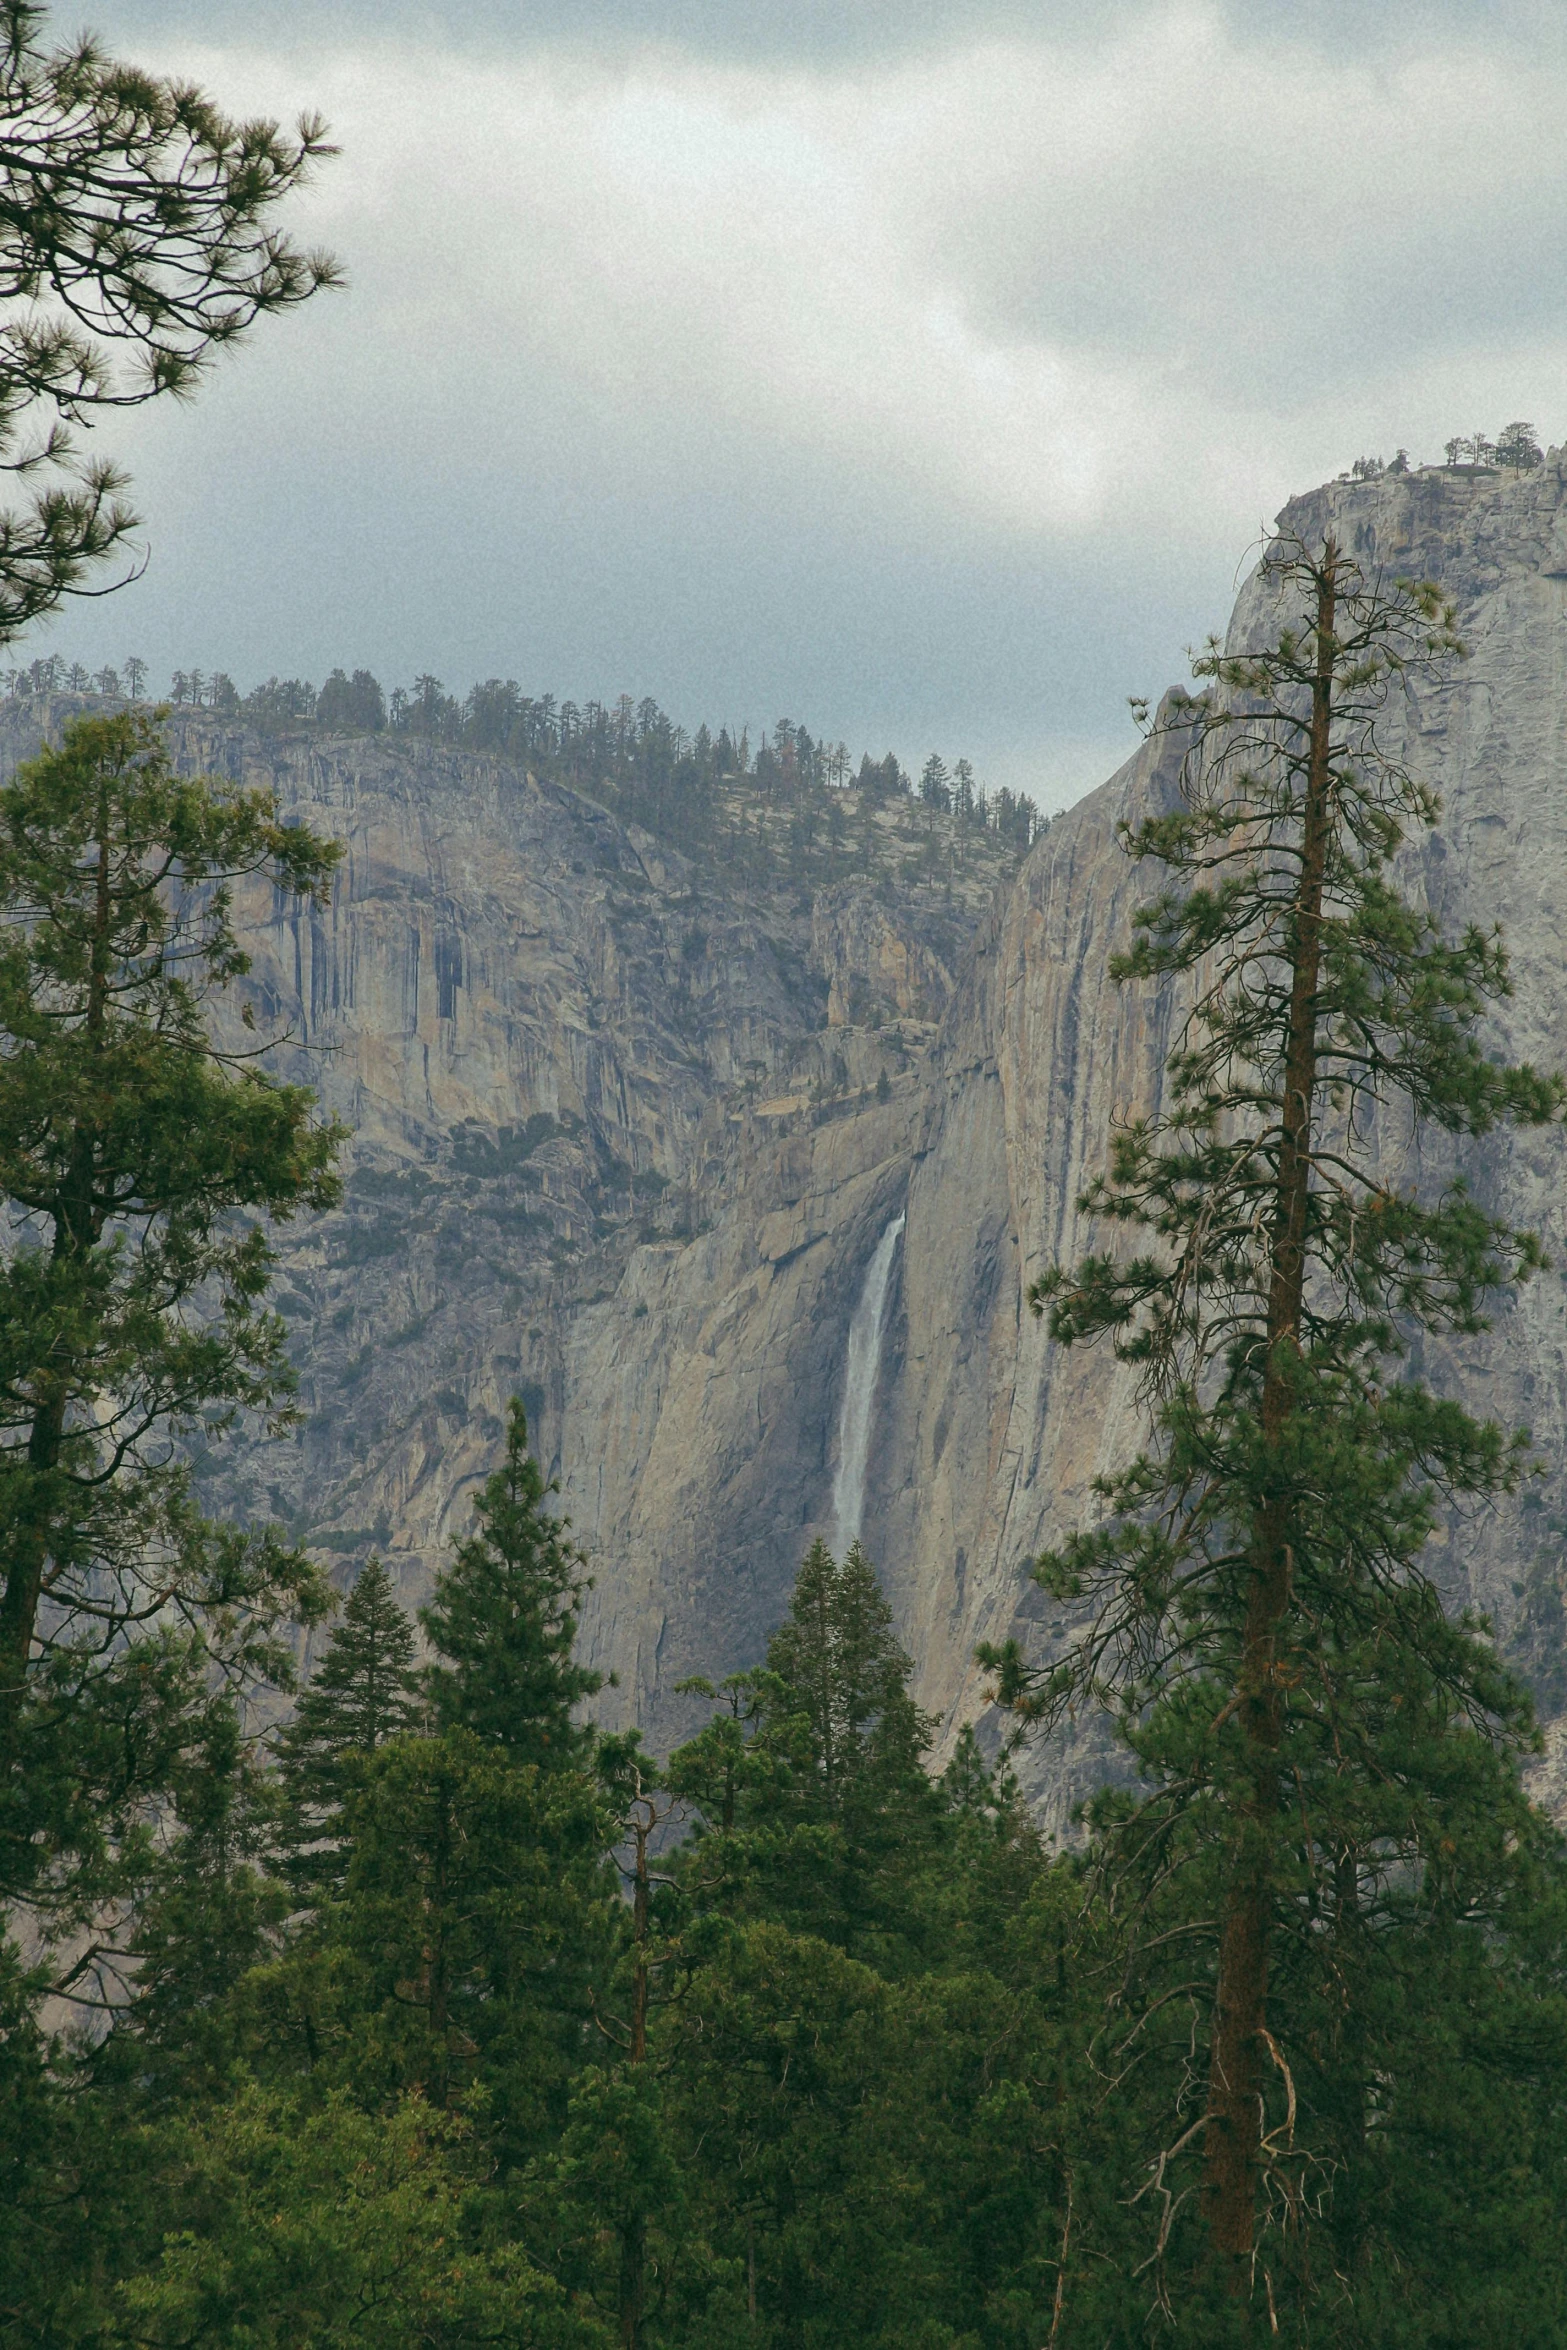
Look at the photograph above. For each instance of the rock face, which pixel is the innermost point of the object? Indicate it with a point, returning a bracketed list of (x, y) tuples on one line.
[(991, 1437), (608, 1146), (987, 1439), (627, 1137)]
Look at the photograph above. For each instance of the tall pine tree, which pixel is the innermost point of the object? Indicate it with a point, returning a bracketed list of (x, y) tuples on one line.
[(139, 1165), (1256, 1602)]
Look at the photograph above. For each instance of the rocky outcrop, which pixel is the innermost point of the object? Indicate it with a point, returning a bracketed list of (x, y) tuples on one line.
[(874, 962)]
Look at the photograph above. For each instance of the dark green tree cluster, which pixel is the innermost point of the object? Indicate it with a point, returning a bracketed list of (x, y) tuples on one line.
[(392, 2059), (752, 811), (792, 2043)]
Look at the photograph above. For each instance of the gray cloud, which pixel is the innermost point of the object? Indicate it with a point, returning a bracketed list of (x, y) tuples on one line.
[(832, 33), (926, 389)]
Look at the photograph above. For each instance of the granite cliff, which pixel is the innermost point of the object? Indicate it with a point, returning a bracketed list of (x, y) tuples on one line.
[(627, 1136), (699, 1449)]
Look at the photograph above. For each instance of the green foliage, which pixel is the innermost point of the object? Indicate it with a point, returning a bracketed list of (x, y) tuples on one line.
[(813, 1800), (364, 1691), (395, 2118), (503, 1620), (135, 1160), (321, 2227), (611, 2205), (473, 1916), (141, 242)]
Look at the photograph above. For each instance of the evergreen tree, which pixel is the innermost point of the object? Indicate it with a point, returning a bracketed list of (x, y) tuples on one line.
[(815, 1807), (136, 1158), (1257, 1606), (935, 790), (839, 1672), (503, 1621), (307, 2224), (210, 1909), (476, 1918), (352, 705), (142, 240), (363, 1692)]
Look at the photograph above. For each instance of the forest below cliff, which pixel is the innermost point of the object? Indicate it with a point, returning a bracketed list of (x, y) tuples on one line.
[(411, 2006)]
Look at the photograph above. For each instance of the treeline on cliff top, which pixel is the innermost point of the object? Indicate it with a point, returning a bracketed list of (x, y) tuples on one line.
[(630, 754)]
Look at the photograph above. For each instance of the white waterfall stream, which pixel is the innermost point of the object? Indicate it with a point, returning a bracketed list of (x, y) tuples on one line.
[(859, 1390)]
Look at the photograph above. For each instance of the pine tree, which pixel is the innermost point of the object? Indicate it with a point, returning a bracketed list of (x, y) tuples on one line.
[(363, 1692), (1256, 1603), (476, 1912), (142, 244), (137, 1160), (840, 1674), (503, 1621)]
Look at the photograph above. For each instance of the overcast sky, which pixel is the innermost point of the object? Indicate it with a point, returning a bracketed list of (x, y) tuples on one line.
[(921, 370)]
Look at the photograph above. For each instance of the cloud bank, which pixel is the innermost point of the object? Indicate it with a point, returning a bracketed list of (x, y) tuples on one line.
[(922, 373)]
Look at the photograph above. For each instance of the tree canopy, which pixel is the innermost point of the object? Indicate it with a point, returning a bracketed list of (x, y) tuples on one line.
[(141, 240)]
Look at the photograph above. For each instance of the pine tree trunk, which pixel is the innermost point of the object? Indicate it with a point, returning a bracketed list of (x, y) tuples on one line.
[(77, 1228), (1351, 2054), (28, 1559), (639, 1941), (631, 2263), (436, 1954), (1233, 2136)]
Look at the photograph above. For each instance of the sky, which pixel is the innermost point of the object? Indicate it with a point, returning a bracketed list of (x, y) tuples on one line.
[(923, 371)]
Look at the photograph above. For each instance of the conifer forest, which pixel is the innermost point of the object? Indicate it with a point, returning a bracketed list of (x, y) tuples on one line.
[(553, 1794)]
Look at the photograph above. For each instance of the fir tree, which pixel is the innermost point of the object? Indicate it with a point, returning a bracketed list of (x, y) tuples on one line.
[(815, 1767), (363, 1692), (504, 1620), (841, 1675)]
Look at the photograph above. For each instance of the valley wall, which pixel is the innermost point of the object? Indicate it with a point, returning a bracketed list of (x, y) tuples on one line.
[(626, 1136)]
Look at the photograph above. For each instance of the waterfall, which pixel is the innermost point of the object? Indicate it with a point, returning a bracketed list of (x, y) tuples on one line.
[(859, 1391)]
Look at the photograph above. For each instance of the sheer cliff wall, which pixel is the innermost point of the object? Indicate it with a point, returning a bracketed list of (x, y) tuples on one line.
[(627, 1135), (992, 1437), (987, 1439)]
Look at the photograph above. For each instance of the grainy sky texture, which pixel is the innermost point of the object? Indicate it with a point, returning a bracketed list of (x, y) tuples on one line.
[(922, 373)]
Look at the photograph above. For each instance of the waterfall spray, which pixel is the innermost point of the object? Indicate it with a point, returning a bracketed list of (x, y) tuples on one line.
[(859, 1390)]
